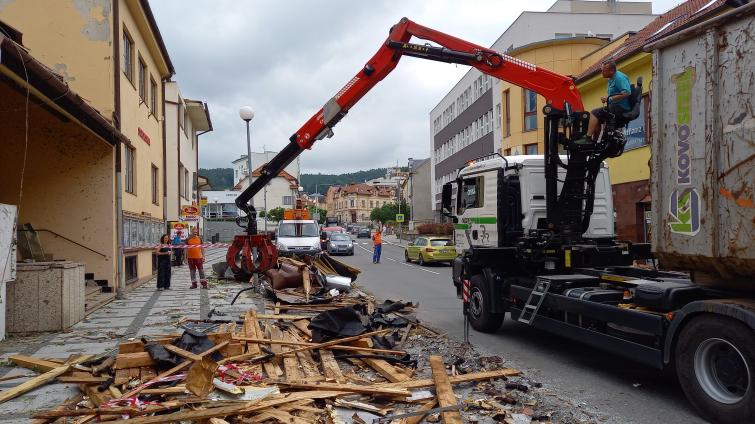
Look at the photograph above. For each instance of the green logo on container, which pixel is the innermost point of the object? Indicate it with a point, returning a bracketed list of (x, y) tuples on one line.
[(684, 202)]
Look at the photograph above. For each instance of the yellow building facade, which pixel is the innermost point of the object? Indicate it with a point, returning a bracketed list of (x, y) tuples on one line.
[(630, 172), (112, 54), (521, 110)]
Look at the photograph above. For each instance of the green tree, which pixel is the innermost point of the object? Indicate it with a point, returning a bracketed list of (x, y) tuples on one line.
[(322, 212), (275, 214), (388, 212)]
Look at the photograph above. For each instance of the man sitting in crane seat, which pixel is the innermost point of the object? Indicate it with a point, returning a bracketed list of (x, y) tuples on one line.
[(619, 90)]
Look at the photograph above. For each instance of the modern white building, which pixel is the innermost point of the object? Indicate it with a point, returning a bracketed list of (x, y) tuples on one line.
[(466, 123)]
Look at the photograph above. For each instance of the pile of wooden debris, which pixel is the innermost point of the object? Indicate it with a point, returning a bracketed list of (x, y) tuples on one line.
[(307, 366)]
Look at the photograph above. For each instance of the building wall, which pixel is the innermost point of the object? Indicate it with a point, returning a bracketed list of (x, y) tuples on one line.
[(563, 56), (258, 158), (74, 38), (139, 123), (421, 193), (172, 197), (68, 184)]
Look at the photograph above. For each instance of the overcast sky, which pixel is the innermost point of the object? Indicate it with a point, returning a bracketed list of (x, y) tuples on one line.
[(286, 58)]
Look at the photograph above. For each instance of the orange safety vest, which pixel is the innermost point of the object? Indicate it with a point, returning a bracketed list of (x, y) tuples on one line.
[(377, 238), (194, 252)]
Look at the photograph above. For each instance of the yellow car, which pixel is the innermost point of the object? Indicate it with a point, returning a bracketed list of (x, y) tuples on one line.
[(430, 249)]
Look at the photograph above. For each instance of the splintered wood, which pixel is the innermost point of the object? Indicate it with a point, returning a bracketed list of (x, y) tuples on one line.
[(271, 371)]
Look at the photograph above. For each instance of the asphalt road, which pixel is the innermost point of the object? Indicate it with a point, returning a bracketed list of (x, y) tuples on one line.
[(620, 390)]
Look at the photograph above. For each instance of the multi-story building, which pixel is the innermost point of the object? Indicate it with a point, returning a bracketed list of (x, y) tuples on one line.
[(258, 158), (466, 123), (353, 203), (111, 53), (522, 129), (185, 121), (630, 172), (419, 190), (280, 192)]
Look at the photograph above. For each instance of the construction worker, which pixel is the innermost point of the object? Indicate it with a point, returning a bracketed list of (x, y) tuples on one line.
[(195, 257), (617, 101), (377, 244)]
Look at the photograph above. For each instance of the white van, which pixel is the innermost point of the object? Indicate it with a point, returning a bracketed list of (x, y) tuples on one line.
[(298, 236)]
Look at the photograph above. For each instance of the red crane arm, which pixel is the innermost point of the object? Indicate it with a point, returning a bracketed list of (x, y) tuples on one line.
[(557, 89)]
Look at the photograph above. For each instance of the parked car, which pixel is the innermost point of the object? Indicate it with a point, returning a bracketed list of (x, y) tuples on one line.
[(430, 249), (340, 244), (298, 236), (364, 233)]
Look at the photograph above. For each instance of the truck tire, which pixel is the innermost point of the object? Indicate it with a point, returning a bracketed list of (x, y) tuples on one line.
[(715, 364), (479, 307)]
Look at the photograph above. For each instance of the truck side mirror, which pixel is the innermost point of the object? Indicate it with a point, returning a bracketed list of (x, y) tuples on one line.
[(445, 202)]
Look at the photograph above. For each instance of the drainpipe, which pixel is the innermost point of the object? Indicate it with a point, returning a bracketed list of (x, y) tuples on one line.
[(196, 180), (119, 275)]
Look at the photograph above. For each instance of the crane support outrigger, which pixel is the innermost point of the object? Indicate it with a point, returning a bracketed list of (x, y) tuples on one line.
[(565, 121)]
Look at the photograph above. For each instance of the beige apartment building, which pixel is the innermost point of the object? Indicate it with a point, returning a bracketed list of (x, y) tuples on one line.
[(111, 53), (353, 203), (185, 121)]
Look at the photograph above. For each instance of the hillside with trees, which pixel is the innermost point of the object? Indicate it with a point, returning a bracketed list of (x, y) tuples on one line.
[(222, 178)]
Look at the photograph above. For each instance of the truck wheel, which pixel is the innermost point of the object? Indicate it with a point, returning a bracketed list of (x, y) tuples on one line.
[(479, 307), (715, 363)]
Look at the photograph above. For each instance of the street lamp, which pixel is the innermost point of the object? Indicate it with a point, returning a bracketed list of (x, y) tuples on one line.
[(247, 114)]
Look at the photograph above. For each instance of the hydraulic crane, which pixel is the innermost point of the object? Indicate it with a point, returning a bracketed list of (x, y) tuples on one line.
[(566, 121)]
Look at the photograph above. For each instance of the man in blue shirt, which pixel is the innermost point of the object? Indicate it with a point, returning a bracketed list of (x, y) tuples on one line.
[(619, 89)]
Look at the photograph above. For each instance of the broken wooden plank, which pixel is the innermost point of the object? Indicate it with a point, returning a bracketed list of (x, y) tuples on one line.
[(339, 341), (39, 380), (133, 360), (121, 377), (334, 347), (69, 403), (182, 353), (352, 388), (82, 379), (330, 366), (303, 326), (444, 391), (290, 363), (35, 364), (290, 317), (390, 372), (457, 379), (418, 419)]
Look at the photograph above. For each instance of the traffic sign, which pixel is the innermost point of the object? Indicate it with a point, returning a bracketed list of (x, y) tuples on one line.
[(399, 217)]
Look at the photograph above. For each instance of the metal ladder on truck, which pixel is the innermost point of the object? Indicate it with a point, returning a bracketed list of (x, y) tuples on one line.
[(537, 295)]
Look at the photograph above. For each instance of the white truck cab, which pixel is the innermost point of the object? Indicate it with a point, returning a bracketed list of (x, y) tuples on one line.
[(298, 236), (497, 199)]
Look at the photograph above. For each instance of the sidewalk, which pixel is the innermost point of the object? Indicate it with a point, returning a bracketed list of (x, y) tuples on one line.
[(143, 312)]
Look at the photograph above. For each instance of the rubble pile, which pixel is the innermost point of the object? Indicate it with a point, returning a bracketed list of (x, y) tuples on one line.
[(311, 356)]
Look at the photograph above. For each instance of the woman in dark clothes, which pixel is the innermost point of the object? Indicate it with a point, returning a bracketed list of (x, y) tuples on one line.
[(163, 263)]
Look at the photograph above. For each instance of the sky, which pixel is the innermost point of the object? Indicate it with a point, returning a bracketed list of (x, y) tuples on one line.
[(286, 58)]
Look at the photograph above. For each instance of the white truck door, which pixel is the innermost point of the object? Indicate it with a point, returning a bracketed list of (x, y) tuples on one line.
[(477, 209)]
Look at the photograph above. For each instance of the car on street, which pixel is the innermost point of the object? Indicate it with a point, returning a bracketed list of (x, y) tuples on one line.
[(298, 236), (430, 249), (340, 244), (364, 233)]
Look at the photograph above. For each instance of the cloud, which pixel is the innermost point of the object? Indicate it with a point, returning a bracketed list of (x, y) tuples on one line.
[(287, 58)]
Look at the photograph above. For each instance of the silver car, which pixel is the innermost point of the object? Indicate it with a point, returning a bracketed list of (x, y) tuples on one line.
[(340, 244)]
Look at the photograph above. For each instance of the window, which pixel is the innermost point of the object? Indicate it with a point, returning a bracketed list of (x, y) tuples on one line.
[(352, 203), (153, 93), (530, 149), (506, 113), (127, 62), (181, 181), (142, 80), (471, 194), (129, 169), (363, 203), (131, 270), (372, 203), (498, 115), (155, 185), (186, 184), (288, 200), (530, 110), (180, 113)]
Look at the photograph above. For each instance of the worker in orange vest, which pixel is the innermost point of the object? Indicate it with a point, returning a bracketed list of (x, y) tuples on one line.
[(195, 257), (377, 244)]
